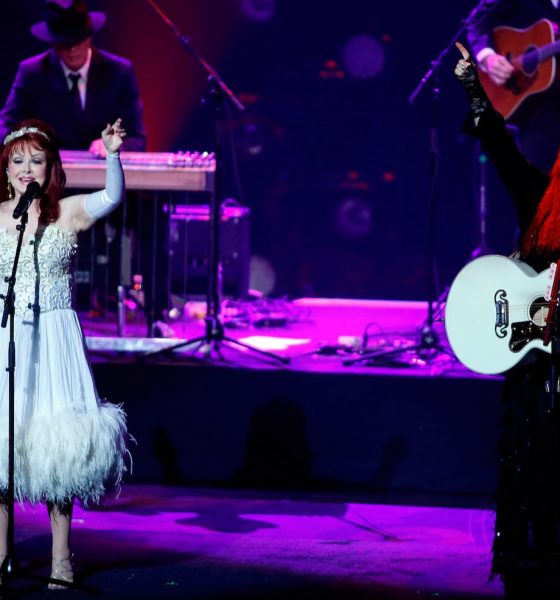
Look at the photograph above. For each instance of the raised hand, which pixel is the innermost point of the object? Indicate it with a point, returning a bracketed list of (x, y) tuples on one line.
[(464, 69), (467, 74), (113, 136)]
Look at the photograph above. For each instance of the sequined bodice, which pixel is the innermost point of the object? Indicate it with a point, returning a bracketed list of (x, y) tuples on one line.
[(44, 273)]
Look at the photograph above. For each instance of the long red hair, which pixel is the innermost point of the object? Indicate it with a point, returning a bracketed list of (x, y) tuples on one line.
[(51, 190)]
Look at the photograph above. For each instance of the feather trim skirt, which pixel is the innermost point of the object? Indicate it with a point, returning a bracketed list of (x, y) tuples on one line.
[(68, 443)]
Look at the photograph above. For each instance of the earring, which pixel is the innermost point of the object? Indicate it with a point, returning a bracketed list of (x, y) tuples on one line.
[(11, 191)]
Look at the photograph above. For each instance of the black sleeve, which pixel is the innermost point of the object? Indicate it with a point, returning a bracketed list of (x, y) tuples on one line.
[(525, 182)]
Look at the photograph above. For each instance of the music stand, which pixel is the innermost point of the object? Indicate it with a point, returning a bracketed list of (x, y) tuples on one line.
[(214, 332), (428, 342)]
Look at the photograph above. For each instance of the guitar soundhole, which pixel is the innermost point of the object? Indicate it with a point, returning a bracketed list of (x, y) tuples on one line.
[(530, 61), (538, 312)]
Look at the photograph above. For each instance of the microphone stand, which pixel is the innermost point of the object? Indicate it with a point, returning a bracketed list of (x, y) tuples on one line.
[(429, 340), (482, 248), (10, 566), (214, 335)]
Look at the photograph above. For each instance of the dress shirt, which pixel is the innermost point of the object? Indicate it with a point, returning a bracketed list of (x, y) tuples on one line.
[(82, 82)]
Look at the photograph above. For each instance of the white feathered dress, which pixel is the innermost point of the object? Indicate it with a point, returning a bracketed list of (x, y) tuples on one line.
[(68, 444)]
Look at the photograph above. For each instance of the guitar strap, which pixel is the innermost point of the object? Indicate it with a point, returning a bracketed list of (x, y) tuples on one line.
[(553, 303)]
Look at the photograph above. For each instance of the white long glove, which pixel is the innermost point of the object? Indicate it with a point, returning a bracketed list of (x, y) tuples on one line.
[(100, 204)]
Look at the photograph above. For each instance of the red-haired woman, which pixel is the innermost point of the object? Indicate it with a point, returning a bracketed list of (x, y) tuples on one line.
[(68, 444), (526, 548)]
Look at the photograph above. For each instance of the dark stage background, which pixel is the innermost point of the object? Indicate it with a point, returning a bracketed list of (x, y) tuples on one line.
[(332, 159)]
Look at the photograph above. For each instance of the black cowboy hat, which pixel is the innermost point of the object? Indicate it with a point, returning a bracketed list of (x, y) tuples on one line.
[(67, 22)]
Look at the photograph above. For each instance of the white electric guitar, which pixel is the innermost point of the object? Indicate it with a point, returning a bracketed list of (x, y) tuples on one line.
[(496, 313)]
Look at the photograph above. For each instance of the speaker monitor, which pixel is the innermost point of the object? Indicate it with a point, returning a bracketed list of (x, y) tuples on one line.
[(189, 251)]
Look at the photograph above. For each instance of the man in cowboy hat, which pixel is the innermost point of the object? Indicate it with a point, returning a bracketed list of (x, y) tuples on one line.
[(73, 86), (77, 89)]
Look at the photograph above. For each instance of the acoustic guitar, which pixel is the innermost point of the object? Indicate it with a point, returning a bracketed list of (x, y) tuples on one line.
[(496, 312), (532, 52)]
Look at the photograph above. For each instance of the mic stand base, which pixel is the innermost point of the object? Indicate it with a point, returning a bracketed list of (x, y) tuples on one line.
[(212, 341)]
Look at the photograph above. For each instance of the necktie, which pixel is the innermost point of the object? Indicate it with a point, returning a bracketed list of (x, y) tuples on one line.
[(75, 91)]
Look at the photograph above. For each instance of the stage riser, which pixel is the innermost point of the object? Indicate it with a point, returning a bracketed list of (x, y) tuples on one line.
[(274, 429)]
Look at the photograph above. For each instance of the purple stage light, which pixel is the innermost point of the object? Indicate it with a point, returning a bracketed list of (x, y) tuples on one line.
[(363, 57), (258, 11)]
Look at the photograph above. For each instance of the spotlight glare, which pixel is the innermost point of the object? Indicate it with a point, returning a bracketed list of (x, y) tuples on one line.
[(258, 11), (363, 57)]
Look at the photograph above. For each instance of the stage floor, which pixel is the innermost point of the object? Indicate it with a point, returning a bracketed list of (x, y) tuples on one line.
[(415, 421), (175, 542), (318, 334)]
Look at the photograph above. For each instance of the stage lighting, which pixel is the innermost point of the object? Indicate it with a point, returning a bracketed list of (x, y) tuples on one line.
[(353, 218), (363, 57), (258, 11)]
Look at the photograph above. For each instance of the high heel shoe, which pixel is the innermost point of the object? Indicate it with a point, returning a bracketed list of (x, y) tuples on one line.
[(2, 558), (62, 570)]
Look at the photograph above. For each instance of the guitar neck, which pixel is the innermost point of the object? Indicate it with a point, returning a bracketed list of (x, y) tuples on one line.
[(545, 52)]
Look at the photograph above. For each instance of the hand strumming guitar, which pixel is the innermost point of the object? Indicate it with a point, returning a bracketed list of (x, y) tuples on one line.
[(498, 67)]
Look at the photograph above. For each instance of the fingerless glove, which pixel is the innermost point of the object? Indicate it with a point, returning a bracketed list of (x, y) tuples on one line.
[(478, 100)]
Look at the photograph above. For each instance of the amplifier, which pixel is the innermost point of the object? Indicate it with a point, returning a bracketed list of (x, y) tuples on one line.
[(189, 250)]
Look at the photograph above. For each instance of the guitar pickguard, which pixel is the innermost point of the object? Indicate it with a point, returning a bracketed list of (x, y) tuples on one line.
[(524, 332), (519, 83)]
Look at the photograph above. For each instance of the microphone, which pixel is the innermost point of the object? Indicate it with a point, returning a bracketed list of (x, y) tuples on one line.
[(26, 199)]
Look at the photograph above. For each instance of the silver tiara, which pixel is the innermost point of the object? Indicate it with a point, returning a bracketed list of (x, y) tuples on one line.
[(23, 131)]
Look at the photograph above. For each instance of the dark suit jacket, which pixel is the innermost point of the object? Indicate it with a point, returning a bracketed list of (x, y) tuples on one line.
[(40, 91)]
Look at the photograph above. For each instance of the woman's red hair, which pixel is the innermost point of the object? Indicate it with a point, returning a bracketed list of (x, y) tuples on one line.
[(55, 181)]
